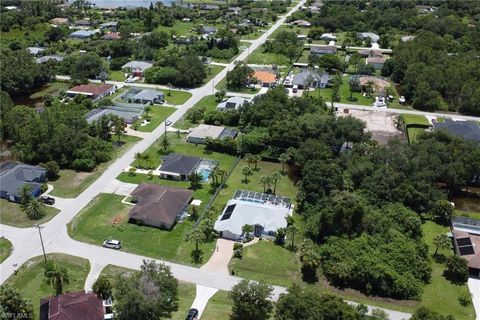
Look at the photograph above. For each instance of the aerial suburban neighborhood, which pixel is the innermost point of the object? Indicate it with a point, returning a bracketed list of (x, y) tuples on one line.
[(240, 159)]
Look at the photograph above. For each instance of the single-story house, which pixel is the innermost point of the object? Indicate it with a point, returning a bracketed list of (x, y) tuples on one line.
[(111, 25), (235, 10), (323, 49), (232, 103), (35, 51), (206, 30), (78, 305), (376, 62), (136, 68), (370, 53), (364, 35), (111, 36), (13, 176), (83, 23), (265, 78), (317, 80), (178, 166), (59, 21), (209, 7), (265, 212), (466, 240), (328, 37), (159, 206), (301, 23), (127, 116), (469, 130), (203, 131), (83, 34), (148, 96), (94, 91), (44, 59)]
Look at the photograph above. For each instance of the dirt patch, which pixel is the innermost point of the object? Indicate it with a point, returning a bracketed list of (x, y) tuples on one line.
[(118, 219)]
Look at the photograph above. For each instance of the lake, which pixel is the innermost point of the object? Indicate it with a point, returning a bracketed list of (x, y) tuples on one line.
[(127, 3)]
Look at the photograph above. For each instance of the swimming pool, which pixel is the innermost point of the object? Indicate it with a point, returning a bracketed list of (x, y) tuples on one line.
[(205, 173), (205, 167)]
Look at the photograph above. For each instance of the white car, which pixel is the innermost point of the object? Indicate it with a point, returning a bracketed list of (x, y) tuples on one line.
[(168, 122), (112, 244), (130, 80)]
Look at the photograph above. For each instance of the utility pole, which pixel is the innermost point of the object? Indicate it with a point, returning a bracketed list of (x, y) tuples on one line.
[(213, 85), (39, 227)]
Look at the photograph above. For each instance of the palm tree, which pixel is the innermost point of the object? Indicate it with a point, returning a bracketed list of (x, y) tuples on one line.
[(249, 158), (258, 158), (33, 209), (56, 276), (25, 194), (275, 177), (264, 181), (147, 110), (283, 158), (441, 241), (195, 180), (222, 173), (139, 157), (292, 230), (196, 236), (246, 171)]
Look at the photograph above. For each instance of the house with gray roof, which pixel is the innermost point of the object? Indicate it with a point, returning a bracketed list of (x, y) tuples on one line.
[(469, 130), (35, 51), (322, 49), (232, 103), (265, 212), (199, 134), (177, 166), (136, 67), (83, 34), (111, 25), (128, 117), (207, 30), (148, 96), (45, 59), (13, 176), (317, 80)]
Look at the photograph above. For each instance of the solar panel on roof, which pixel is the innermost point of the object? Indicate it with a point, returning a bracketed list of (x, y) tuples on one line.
[(467, 250), (228, 212), (464, 242)]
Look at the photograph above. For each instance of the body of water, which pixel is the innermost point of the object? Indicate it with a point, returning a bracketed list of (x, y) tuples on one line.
[(127, 3)]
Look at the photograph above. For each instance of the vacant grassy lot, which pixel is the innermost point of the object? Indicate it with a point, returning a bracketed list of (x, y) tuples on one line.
[(186, 291), (260, 57), (12, 214), (180, 28), (440, 294), (32, 284), (158, 114), (209, 102), (176, 97), (212, 71), (5, 249), (117, 75), (414, 119), (106, 217), (71, 183)]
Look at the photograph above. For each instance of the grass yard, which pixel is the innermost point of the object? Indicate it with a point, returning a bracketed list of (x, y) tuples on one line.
[(252, 36), (106, 217), (52, 88), (414, 119), (218, 307), (344, 93), (284, 27), (11, 214), (440, 294), (212, 71), (222, 85), (71, 183), (177, 97), (186, 291), (32, 284), (413, 133), (158, 114), (260, 57), (5, 249), (209, 102), (180, 28), (117, 75)]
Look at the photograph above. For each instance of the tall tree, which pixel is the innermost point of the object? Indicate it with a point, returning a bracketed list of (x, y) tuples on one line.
[(195, 180), (246, 172), (441, 241), (34, 209), (292, 230), (103, 287), (13, 303), (283, 158), (57, 276), (251, 301)]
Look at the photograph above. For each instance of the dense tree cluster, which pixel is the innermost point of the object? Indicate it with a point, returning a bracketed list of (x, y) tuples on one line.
[(186, 71), (286, 43)]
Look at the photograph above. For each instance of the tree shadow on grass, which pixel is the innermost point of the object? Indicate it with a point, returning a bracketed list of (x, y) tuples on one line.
[(309, 275), (439, 258), (197, 256)]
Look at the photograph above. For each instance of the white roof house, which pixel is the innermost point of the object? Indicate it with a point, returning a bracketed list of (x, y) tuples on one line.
[(232, 103), (265, 212), (137, 66), (203, 131)]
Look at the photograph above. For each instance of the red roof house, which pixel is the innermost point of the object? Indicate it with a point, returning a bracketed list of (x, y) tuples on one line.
[(94, 91), (72, 306)]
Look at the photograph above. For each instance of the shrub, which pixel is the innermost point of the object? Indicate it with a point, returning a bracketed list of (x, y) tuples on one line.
[(238, 253), (237, 246), (457, 269), (465, 299)]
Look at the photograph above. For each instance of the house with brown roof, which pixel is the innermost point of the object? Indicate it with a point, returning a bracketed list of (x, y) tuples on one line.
[(74, 306), (159, 206), (376, 62), (466, 240), (265, 78), (111, 36), (59, 21), (93, 91)]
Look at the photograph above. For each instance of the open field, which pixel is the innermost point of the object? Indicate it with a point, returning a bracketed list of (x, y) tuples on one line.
[(11, 214), (260, 57), (5, 249), (158, 114), (32, 284), (176, 96), (71, 183), (106, 217)]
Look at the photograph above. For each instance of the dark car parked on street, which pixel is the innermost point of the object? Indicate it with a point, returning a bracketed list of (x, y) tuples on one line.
[(47, 200), (192, 314)]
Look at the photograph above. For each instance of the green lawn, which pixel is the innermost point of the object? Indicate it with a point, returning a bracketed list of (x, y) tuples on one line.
[(440, 294), (52, 88), (252, 36), (176, 96), (32, 284), (344, 93), (158, 114), (11, 214), (413, 133), (284, 27), (222, 85), (5, 249), (218, 307), (180, 28), (260, 57), (209, 102), (414, 119), (212, 71), (71, 183), (106, 217), (186, 291), (117, 75)]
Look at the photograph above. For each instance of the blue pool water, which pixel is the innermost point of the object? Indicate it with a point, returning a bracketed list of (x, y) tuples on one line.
[(205, 173)]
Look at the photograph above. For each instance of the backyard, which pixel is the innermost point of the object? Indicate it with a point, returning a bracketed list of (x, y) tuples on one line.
[(32, 284), (5, 249), (71, 183), (107, 217), (157, 114), (419, 123), (11, 214), (51, 88)]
